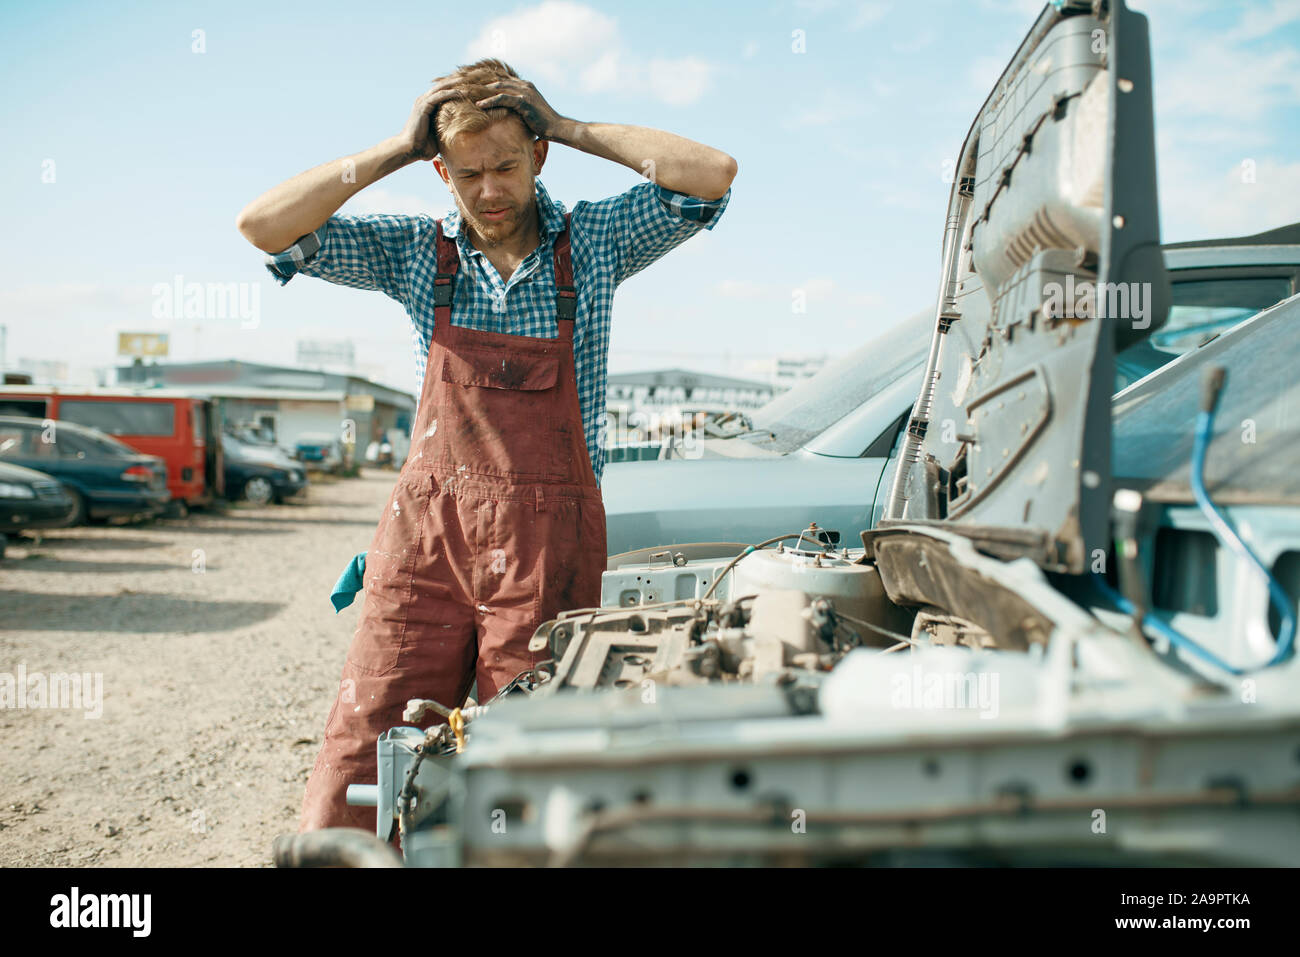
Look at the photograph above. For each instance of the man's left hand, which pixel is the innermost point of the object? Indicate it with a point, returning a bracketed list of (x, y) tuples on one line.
[(522, 97)]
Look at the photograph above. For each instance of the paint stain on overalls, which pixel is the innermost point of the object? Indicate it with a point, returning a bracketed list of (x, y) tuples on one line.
[(495, 525)]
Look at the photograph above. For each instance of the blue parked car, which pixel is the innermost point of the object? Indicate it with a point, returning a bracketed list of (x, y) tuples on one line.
[(30, 499), (105, 478), (260, 474)]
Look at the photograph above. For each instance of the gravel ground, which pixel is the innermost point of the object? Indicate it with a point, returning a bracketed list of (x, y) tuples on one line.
[(219, 652)]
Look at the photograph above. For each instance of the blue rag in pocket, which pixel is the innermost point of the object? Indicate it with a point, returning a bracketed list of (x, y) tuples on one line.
[(349, 583)]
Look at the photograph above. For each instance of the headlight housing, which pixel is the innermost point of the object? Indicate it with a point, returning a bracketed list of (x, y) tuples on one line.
[(10, 490)]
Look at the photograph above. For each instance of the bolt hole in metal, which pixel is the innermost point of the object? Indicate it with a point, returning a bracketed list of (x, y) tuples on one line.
[(931, 768), (740, 779), (1080, 771), (641, 797)]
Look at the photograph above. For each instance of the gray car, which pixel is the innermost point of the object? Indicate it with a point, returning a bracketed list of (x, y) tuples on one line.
[(820, 451)]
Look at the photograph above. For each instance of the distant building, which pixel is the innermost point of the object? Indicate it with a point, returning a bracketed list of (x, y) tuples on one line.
[(283, 402), (697, 391), (643, 405), (789, 371)]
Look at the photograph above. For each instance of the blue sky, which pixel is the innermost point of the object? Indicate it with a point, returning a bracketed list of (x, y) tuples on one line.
[(155, 148)]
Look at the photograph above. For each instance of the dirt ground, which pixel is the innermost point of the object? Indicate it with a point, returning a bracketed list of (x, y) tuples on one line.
[(219, 651)]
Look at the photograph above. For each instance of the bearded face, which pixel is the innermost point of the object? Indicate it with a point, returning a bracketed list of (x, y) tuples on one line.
[(490, 175)]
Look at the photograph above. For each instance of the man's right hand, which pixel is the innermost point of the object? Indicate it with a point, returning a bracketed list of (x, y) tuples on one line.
[(418, 136)]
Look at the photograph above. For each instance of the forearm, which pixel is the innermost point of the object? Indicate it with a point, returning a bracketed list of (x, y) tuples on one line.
[(672, 161), (277, 218)]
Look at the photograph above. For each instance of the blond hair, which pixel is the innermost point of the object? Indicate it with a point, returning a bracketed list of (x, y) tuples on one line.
[(463, 115)]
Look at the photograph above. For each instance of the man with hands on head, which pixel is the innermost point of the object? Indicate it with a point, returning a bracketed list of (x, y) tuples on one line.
[(496, 523)]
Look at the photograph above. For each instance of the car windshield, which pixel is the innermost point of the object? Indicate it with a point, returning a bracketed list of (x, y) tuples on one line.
[(1200, 310), (121, 418), (1255, 424), (101, 442), (817, 403)]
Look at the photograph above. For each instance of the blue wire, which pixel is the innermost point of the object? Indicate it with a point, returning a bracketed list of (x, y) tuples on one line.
[(1176, 638), (1228, 536)]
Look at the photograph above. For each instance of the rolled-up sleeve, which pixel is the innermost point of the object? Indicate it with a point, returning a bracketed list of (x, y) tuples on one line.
[(637, 227), (364, 252)]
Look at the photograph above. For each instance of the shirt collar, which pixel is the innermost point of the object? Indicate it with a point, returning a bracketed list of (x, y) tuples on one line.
[(551, 214)]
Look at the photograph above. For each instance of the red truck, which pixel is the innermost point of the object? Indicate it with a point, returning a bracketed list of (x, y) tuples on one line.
[(182, 428)]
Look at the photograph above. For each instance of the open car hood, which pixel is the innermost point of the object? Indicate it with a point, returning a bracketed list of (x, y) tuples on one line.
[(1051, 261)]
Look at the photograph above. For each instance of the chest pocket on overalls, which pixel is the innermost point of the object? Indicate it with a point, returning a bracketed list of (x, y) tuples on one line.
[(502, 414)]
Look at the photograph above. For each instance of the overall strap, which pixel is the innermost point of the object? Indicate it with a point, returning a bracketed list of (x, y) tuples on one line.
[(566, 296), (444, 280)]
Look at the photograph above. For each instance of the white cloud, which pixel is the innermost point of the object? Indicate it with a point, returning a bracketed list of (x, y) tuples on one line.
[(546, 41), (1252, 196), (602, 74), (679, 82), (1257, 22), (867, 13), (1220, 101), (1227, 82)]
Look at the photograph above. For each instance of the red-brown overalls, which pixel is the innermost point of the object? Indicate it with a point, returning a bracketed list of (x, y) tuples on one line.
[(495, 525)]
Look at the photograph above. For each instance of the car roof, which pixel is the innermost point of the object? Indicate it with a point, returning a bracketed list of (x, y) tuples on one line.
[(11, 471), (58, 423), (1288, 235), (74, 428)]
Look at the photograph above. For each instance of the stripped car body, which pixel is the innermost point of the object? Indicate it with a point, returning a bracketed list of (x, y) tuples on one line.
[(967, 687)]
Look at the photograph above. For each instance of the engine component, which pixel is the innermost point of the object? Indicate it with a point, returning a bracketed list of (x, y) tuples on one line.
[(839, 576)]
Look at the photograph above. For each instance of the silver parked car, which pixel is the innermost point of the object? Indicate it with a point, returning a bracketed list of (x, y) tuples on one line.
[(819, 452)]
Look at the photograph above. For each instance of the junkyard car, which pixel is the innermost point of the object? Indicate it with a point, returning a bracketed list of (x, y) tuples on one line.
[(319, 450), (820, 451), (1043, 652), (260, 474), (30, 500), (104, 477)]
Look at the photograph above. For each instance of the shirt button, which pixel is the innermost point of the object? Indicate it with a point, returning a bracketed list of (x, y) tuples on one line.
[(498, 305)]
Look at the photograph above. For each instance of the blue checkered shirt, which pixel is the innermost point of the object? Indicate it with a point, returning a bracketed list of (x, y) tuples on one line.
[(612, 239)]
